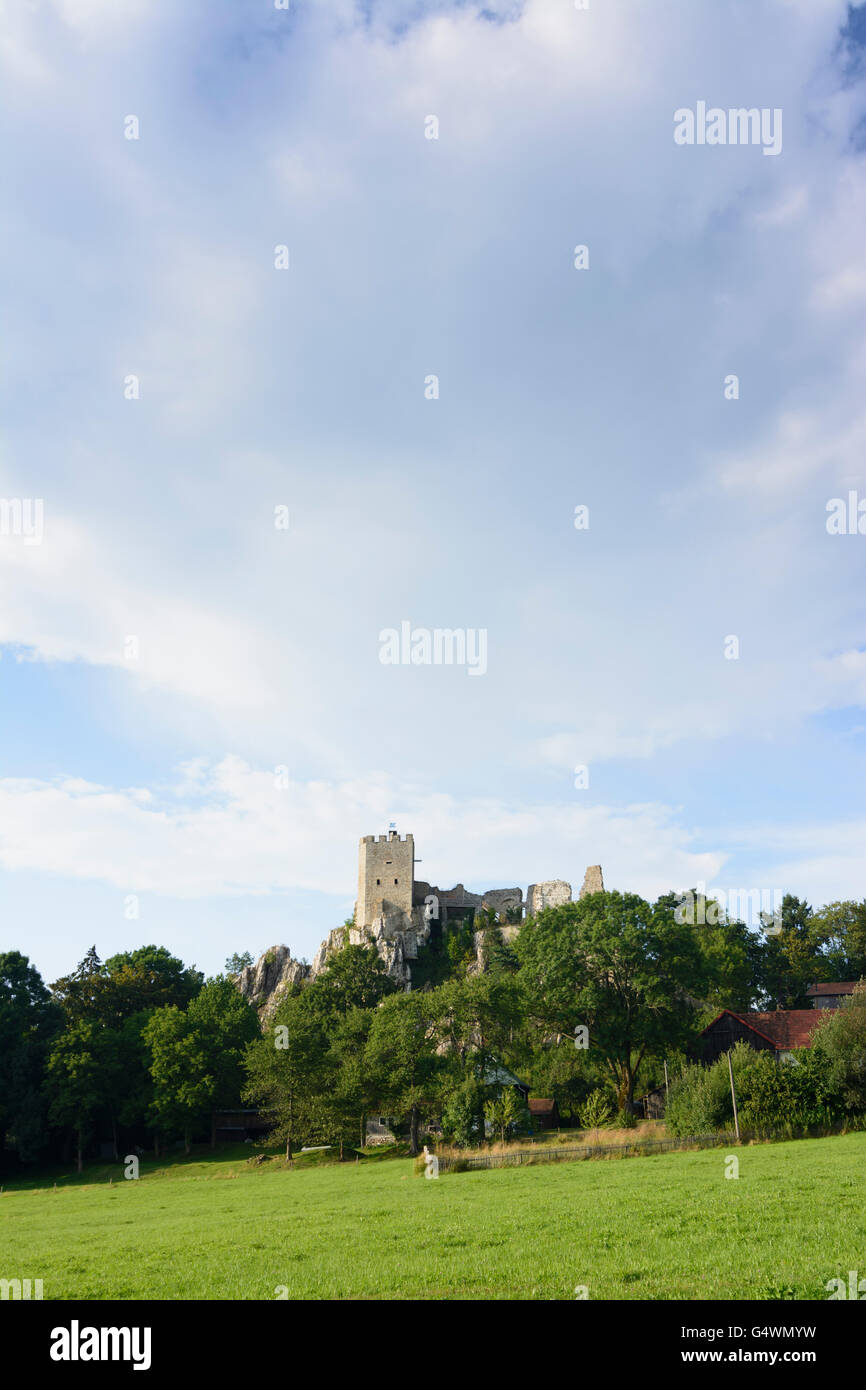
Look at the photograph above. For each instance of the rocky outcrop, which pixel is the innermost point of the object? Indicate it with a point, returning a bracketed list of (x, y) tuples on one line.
[(395, 937), (265, 982)]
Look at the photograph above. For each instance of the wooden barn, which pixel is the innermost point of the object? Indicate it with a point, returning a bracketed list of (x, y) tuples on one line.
[(779, 1032), (544, 1114), (831, 995)]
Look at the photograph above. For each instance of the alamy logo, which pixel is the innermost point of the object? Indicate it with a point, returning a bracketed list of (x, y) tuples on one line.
[(74, 1343), (22, 516), (757, 907), (847, 518), (737, 126), (20, 1288), (856, 1287), (439, 646)]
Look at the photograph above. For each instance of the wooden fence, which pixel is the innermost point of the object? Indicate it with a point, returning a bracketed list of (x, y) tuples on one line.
[(547, 1153)]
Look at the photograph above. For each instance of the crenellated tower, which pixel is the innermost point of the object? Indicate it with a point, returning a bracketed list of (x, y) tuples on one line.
[(386, 874)]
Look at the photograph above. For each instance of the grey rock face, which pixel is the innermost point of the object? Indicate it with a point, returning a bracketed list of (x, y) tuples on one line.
[(272, 974)]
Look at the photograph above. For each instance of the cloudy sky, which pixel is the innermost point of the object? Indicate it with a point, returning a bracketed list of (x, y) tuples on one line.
[(196, 723)]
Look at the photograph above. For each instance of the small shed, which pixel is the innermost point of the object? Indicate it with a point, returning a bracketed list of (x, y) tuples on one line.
[(544, 1114), (653, 1103)]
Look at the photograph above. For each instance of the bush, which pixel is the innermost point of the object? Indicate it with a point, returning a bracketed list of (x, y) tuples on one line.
[(773, 1096), (699, 1101), (841, 1047), (461, 1124), (596, 1110)]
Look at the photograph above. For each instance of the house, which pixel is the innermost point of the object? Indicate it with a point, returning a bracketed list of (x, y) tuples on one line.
[(779, 1032), (544, 1114), (380, 1130), (495, 1074), (830, 996)]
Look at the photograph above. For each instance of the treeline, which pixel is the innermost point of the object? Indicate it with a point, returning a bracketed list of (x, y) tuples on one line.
[(585, 1005)]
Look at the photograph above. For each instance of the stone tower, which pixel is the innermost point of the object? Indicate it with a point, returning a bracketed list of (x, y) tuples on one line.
[(386, 874)]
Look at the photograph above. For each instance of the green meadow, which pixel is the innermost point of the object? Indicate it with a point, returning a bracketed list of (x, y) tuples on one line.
[(669, 1226)]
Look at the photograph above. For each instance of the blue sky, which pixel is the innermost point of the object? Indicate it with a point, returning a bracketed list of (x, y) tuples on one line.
[(153, 777)]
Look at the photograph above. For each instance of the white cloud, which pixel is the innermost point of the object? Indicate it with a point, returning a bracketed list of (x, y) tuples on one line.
[(229, 829), (410, 256)]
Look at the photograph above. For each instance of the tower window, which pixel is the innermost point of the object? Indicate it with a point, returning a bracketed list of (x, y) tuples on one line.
[(395, 881), (378, 882)]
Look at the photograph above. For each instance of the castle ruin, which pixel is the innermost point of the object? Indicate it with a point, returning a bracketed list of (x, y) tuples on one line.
[(398, 914)]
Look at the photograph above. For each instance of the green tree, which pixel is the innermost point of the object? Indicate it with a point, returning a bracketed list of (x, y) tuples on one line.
[(506, 1112), (841, 931), (354, 1094), (28, 1021), (792, 957), (288, 1069), (622, 969), (180, 1070), (840, 1044), (353, 978), (197, 1056), (401, 1052), (77, 993), (75, 1079), (224, 1022), (238, 962), (731, 955), (146, 978), (462, 1105)]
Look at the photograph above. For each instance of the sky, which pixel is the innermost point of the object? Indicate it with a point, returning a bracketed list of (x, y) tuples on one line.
[(295, 350)]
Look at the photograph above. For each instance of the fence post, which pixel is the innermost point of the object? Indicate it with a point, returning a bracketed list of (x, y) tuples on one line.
[(734, 1097)]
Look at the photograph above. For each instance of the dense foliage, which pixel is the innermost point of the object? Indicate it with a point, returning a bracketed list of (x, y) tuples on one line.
[(584, 1004)]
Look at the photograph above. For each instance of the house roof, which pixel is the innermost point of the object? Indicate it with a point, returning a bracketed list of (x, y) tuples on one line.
[(838, 987), (784, 1028), (542, 1107), (495, 1073)]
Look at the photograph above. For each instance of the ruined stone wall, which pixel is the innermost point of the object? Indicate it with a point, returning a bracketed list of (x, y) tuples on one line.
[(553, 893), (592, 881)]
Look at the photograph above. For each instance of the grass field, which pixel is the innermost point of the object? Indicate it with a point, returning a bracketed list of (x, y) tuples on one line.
[(663, 1227)]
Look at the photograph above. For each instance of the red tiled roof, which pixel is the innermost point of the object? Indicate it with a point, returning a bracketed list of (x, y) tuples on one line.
[(542, 1107), (785, 1028), (840, 987)]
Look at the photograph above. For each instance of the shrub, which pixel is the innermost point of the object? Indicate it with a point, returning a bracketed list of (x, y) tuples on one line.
[(596, 1110), (699, 1101), (461, 1124), (841, 1046), (773, 1096)]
